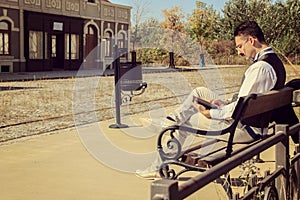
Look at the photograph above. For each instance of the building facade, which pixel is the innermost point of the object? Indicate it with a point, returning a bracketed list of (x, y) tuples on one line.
[(44, 35)]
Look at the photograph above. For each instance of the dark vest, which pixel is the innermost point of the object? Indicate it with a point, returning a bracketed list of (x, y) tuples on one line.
[(284, 115), (278, 67)]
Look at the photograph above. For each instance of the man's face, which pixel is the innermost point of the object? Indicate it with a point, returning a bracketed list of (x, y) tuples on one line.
[(244, 46)]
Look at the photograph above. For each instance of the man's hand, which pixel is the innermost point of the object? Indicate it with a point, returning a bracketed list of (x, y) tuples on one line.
[(202, 109), (219, 102)]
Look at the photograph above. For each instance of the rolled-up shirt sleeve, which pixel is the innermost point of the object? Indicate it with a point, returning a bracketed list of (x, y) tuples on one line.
[(224, 112)]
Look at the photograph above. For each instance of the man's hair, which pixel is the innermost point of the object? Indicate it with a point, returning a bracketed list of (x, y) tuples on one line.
[(250, 28)]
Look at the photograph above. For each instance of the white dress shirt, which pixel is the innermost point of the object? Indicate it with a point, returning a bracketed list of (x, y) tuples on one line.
[(260, 77)]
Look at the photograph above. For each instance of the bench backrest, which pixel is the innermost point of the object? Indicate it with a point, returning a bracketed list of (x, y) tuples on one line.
[(256, 109)]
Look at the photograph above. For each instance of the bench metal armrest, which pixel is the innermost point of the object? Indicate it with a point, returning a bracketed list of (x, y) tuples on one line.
[(174, 145)]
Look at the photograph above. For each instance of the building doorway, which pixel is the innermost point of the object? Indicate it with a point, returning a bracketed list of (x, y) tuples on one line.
[(57, 50), (91, 42), (91, 39)]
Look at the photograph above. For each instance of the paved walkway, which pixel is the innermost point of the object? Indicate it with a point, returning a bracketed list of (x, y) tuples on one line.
[(21, 76), (94, 162), (59, 166)]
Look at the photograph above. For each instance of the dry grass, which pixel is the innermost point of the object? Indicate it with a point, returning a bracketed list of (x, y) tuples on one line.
[(54, 104)]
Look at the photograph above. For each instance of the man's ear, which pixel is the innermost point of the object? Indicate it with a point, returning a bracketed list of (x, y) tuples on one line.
[(252, 40)]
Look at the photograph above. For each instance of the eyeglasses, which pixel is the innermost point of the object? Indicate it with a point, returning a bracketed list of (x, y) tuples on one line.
[(240, 45)]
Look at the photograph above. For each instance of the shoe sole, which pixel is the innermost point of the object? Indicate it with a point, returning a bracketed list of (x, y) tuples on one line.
[(147, 178)]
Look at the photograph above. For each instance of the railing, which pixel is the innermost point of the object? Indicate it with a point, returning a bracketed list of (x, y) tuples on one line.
[(288, 168)]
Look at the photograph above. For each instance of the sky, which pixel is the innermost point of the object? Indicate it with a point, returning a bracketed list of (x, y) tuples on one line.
[(155, 7)]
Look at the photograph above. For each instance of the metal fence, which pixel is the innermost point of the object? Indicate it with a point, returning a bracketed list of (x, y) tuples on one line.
[(270, 187)]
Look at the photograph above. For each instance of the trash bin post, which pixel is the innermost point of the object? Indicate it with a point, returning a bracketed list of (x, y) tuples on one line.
[(202, 62), (118, 101), (133, 58), (172, 62)]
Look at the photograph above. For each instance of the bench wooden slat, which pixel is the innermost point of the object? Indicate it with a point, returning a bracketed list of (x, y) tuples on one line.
[(283, 97), (258, 105)]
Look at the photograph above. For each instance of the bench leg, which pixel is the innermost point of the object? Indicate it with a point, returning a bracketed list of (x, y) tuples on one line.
[(258, 159)]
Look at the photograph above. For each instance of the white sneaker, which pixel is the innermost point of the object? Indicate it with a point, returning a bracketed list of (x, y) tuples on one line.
[(148, 174)]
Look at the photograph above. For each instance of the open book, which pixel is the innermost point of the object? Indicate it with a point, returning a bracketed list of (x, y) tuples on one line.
[(204, 103)]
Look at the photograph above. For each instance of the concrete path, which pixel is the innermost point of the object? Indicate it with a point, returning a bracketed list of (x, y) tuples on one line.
[(58, 166), (93, 162), (56, 74)]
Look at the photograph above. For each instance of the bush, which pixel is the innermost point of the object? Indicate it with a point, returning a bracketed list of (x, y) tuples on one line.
[(180, 61), (152, 55)]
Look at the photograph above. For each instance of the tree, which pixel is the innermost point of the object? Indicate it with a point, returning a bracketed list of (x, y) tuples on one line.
[(202, 24), (148, 33), (288, 41), (173, 26), (236, 11), (147, 45), (279, 21), (139, 11), (173, 19)]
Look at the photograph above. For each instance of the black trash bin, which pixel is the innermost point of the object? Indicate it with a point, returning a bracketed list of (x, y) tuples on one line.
[(131, 75)]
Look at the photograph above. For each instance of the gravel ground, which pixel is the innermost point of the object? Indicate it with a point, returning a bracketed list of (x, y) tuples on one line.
[(41, 106)]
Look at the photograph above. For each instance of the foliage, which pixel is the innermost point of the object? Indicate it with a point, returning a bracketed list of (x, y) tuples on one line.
[(168, 37), (288, 40), (140, 9), (180, 61), (172, 26), (146, 32), (248, 170), (202, 24), (152, 55), (280, 21), (173, 19)]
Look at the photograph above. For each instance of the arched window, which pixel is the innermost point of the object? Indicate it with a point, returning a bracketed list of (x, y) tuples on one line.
[(5, 30), (91, 30), (108, 43), (121, 40)]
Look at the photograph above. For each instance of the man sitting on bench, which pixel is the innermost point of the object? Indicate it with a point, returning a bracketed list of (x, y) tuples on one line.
[(265, 74)]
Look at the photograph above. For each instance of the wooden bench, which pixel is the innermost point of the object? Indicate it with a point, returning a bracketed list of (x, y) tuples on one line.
[(254, 106)]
